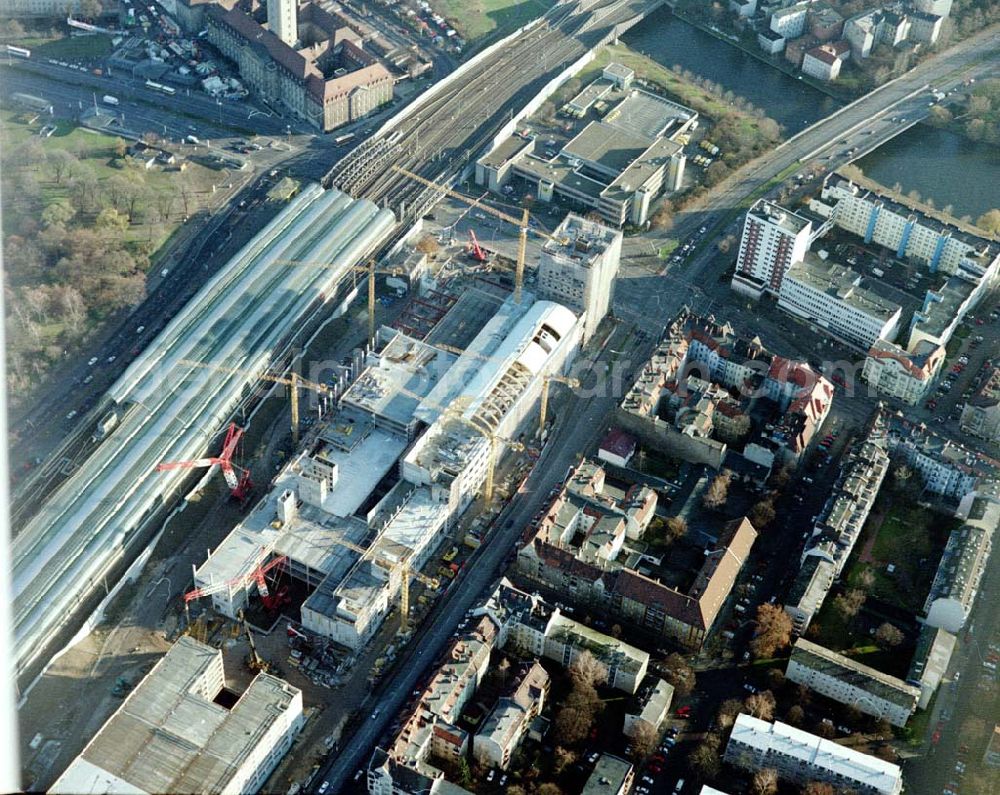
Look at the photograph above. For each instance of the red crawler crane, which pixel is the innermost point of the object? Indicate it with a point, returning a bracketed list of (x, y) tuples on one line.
[(475, 250), (239, 487), (258, 575)]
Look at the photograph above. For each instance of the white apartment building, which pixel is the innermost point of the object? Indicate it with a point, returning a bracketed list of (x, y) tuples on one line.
[(580, 271), (800, 757), (790, 22), (946, 468), (824, 62), (907, 377), (909, 232), (831, 297), (654, 700), (773, 239), (172, 733), (848, 682), (963, 563)]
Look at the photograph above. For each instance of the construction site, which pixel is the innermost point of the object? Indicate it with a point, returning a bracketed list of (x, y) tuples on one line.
[(359, 521)]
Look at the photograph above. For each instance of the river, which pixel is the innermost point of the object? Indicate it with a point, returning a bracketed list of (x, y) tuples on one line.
[(667, 40), (941, 165)]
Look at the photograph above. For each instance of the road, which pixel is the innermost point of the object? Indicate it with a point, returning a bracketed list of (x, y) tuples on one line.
[(649, 301)]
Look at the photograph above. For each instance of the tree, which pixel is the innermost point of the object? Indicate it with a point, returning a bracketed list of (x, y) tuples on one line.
[(761, 705), (888, 636), (643, 741), (548, 788), (824, 729), (562, 759), (572, 724), (587, 670), (718, 490), (775, 678), (774, 631), (674, 528), (818, 788), (716, 172), (990, 221), (120, 147), (762, 514), (679, 674), (663, 219), (728, 711), (795, 715), (61, 163), (764, 782), (110, 220), (60, 213), (704, 759), (91, 9), (849, 603), (939, 116)]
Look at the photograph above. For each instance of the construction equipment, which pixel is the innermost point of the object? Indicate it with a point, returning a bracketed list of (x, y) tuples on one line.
[(475, 250), (239, 487), (254, 661), (293, 382), (522, 223), (572, 383), (257, 574)]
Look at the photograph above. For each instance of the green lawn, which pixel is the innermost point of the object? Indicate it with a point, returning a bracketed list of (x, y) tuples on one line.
[(668, 248), (474, 19), (70, 48), (911, 539)]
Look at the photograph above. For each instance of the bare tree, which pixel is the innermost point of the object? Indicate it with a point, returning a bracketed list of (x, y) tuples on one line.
[(718, 490), (674, 528), (728, 711), (764, 782), (587, 670), (643, 741), (888, 636), (762, 514), (817, 788), (774, 631), (795, 715), (705, 761), (61, 163), (679, 674), (849, 603), (761, 705)]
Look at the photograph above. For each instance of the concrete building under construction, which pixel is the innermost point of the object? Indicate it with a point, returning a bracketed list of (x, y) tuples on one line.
[(402, 457)]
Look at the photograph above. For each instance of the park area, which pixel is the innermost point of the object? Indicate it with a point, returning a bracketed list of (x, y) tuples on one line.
[(476, 19), (84, 221)]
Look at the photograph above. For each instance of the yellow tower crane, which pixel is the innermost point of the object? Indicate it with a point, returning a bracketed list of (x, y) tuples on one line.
[(572, 383), (405, 572), (294, 382), (521, 223)]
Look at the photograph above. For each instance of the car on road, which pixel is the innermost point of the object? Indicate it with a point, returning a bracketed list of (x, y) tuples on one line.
[(376, 712), (71, 415), (140, 329), (749, 687), (111, 358), (323, 788), (92, 362)]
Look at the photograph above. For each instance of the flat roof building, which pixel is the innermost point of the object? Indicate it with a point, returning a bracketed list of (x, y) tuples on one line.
[(848, 682), (800, 757), (610, 776), (579, 271), (831, 297), (173, 733), (616, 165), (773, 239)]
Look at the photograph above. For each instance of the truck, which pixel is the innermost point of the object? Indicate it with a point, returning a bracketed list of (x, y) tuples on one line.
[(107, 99), (878, 272)]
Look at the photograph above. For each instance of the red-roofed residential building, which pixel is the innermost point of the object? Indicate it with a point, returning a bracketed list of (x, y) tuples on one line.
[(617, 447), (824, 62), (328, 80), (906, 376)]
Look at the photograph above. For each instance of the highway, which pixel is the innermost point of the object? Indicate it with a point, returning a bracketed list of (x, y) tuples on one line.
[(648, 302), (170, 410)]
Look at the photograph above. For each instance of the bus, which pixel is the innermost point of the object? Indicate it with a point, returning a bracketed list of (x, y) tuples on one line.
[(19, 52), (343, 139), (110, 100), (168, 90)]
